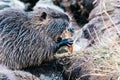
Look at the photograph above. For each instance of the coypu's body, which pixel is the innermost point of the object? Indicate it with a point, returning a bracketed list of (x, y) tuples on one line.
[(28, 38)]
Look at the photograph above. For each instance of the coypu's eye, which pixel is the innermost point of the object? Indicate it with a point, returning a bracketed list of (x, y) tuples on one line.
[(43, 15)]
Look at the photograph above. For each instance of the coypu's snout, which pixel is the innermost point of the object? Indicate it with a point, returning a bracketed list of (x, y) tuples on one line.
[(64, 16)]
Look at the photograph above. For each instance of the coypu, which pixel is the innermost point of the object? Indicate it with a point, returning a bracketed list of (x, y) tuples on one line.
[(29, 38)]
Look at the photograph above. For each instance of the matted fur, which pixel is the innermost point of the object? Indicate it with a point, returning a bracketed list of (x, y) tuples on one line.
[(7, 74), (28, 38)]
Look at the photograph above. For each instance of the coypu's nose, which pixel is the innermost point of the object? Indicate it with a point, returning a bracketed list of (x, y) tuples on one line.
[(64, 16)]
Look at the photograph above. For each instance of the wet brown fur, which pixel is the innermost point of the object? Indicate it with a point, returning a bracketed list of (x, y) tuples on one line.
[(28, 38)]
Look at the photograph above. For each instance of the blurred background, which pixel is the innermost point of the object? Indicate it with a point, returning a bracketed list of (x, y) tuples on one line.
[(78, 9)]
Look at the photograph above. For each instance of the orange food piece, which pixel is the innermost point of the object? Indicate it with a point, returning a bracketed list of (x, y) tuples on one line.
[(67, 34)]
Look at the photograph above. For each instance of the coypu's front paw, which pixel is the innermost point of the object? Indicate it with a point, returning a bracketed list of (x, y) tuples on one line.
[(65, 42)]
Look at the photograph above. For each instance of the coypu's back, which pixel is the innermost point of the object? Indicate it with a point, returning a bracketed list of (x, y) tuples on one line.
[(28, 38)]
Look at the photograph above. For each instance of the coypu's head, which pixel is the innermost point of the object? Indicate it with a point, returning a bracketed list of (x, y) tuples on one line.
[(52, 22), (28, 38)]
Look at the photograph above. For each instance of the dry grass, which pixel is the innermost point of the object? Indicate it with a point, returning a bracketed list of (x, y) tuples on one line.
[(106, 59), (106, 56)]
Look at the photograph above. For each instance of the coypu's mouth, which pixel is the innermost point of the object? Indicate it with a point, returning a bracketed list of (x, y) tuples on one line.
[(67, 33)]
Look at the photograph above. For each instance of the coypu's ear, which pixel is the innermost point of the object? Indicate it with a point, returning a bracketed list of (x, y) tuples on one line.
[(43, 16)]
